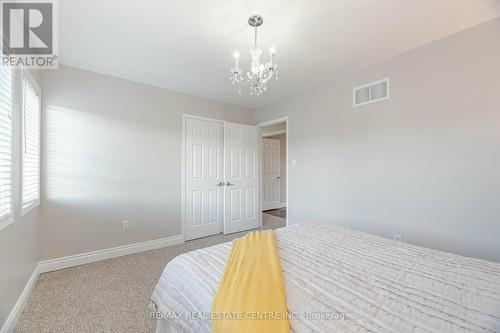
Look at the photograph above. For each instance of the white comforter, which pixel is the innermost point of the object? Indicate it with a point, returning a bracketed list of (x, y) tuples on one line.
[(339, 280)]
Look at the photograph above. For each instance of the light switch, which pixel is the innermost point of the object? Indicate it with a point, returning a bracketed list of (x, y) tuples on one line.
[(294, 163)]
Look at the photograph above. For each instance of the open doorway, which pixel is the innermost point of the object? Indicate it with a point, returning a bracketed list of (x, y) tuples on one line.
[(274, 175)]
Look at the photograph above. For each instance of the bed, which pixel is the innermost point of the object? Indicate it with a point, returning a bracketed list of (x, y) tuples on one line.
[(338, 280)]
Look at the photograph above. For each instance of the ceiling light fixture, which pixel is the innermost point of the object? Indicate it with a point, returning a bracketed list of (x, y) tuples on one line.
[(255, 80)]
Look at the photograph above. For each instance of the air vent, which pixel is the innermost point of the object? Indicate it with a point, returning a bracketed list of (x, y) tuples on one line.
[(371, 93)]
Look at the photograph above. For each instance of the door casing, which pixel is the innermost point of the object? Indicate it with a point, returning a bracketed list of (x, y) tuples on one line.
[(285, 120)]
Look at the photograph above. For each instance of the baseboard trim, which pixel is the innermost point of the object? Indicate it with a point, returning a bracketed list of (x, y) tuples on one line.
[(17, 310), (77, 260), (94, 256)]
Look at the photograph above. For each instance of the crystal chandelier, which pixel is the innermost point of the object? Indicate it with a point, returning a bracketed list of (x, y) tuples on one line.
[(255, 80)]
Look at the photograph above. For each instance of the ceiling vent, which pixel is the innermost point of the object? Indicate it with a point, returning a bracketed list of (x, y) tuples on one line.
[(371, 93)]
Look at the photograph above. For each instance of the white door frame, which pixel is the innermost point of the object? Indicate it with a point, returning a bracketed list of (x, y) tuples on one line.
[(269, 123), (183, 176)]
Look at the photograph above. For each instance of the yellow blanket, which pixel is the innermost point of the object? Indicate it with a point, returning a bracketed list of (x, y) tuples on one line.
[(251, 295)]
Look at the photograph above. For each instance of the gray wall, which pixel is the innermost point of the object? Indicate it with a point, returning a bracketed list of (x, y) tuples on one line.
[(424, 163), (282, 138), (19, 250), (112, 151)]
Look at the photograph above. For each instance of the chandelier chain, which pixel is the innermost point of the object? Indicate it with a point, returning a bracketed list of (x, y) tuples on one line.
[(255, 38)]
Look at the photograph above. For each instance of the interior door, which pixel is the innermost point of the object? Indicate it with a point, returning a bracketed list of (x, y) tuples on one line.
[(204, 173), (241, 203), (271, 174)]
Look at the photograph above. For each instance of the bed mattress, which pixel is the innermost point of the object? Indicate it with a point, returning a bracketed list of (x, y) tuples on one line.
[(338, 280)]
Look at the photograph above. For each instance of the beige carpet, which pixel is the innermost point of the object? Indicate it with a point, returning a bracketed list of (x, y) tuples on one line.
[(106, 296)]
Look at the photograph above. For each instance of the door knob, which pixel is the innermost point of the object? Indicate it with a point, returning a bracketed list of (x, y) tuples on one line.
[(229, 184), (221, 184), (278, 177)]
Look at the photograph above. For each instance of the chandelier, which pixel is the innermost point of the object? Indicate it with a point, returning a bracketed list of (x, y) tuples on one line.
[(256, 79)]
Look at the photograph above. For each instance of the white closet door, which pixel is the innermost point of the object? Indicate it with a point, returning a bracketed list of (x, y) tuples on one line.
[(271, 174), (204, 175), (241, 149)]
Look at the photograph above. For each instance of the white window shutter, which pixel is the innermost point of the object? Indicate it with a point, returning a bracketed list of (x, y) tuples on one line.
[(6, 86), (30, 149)]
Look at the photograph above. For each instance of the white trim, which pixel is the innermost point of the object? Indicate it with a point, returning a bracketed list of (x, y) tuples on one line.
[(183, 177), (16, 144), (17, 310), (261, 160), (11, 217), (6, 221), (89, 257), (186, 115), (285, 119), (287, 168), (77, 260), (273, 133), (31, 205), (274, 122), (25, 210)]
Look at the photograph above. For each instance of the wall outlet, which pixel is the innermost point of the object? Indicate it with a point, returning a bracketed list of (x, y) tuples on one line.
[(125, 224), (397, 237)]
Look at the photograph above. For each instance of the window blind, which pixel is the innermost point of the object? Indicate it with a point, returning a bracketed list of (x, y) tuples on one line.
[(30, 145), (6, 87)]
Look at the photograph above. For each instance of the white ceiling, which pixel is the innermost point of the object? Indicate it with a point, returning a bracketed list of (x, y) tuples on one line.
[(187, 45)]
